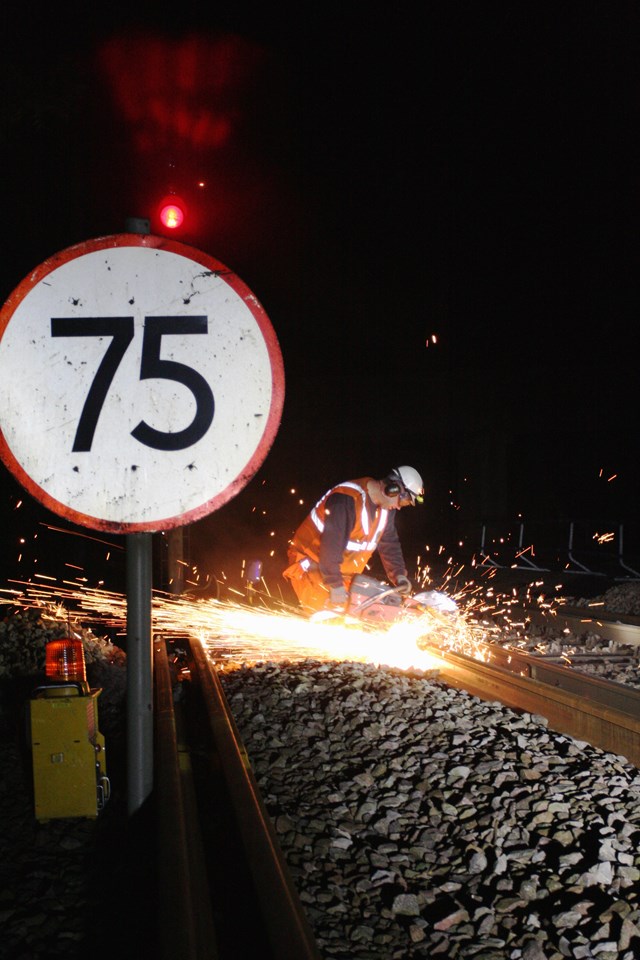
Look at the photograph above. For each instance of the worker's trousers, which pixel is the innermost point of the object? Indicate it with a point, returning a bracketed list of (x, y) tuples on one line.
[(304, 576)]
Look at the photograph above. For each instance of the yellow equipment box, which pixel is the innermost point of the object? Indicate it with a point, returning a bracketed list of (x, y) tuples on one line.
[(69, 761)]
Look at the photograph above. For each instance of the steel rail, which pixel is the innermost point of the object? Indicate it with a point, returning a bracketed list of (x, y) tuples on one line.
[(226, 889), (580, 619), (604, 714), (596, 689), (287, 932), (185, 921)]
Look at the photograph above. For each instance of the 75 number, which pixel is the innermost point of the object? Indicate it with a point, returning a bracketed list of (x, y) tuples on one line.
[(121, 330)]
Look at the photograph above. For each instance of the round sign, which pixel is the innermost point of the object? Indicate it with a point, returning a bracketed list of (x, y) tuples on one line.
[(141, 384)]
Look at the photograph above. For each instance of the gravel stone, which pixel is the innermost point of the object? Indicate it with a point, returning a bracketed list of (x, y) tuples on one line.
[(457, 838)]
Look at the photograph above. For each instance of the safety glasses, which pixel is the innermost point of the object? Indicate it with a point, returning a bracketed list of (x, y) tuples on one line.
[(409, 499)]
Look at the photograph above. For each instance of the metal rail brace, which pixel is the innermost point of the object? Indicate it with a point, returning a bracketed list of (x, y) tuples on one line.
[(486, 559), (521, 559), (572, 559), (625, 566)]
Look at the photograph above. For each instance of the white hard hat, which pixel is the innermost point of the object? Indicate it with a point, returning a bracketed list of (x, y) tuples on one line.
[(411, 481)]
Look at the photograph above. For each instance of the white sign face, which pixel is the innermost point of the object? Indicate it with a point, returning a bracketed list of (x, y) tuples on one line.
[(141, 384)]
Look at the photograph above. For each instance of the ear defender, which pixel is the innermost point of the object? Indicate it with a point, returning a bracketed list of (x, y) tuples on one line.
[(392, 488)]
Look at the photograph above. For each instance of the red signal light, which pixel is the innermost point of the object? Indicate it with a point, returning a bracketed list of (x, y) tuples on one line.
[(172, 212)]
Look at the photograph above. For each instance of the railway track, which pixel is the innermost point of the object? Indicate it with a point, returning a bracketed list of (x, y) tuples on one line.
[(220, 869), (220, 865), (578, 619), (601, 712)]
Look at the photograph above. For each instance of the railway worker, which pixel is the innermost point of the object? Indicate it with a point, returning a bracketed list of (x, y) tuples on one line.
[(347, 525)]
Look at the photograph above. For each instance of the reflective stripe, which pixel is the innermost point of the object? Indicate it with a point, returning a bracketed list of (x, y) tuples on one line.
[(382, 522), (363, 496), (355, 545), (373, 543), (317, 522), (364, 516)]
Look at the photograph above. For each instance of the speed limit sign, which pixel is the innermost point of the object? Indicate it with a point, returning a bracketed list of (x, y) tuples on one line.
[(141, 383)]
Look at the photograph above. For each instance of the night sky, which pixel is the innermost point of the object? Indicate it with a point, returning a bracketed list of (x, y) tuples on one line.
[(436, 203)]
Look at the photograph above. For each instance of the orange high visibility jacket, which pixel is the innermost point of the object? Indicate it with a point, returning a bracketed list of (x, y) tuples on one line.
[(363, 538)]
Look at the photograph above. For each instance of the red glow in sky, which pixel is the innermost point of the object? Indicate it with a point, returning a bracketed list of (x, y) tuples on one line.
[(185, 93)]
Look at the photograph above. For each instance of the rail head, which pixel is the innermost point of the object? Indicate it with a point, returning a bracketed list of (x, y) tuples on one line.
[(288, 929), (585, 715)]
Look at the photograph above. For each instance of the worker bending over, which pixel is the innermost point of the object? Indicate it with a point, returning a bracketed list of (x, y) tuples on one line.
[(337, 538)]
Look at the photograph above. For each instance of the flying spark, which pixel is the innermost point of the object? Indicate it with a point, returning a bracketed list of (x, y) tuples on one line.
[(234, 632)]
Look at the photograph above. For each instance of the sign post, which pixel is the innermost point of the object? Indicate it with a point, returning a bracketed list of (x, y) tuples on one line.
[(139, 670), (141, 388)]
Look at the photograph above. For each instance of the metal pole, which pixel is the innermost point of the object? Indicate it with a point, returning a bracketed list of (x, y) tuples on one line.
[(139, 671), (139, 648), (175, 560)]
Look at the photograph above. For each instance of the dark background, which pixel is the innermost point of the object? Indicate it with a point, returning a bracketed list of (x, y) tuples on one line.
[(378, 175)]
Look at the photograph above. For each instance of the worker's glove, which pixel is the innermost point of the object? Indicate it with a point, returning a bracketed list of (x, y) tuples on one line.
[(337, 598), (437, 601), (403, 585)]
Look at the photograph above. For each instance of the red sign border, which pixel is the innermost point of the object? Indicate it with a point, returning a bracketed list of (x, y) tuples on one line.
[(273, 349)]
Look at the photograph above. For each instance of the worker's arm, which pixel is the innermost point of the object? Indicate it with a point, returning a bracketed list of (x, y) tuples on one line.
[(339, 522), (390, 551)]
